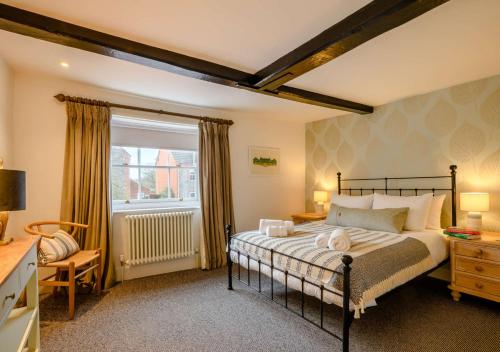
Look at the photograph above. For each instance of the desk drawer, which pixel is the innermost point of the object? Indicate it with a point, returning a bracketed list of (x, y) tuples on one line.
[(478, 284), (27, 267), (476, 251), (9, 294), (478, 267)]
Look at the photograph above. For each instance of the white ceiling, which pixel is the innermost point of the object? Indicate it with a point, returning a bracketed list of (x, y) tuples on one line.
[(454, 43)]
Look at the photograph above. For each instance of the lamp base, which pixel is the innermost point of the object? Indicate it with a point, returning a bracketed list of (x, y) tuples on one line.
[(474, 220), (319, 208), (4, 219), (5, 242)]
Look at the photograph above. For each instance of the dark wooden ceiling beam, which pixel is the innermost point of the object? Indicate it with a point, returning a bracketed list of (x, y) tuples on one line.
[(368, 22), (308, 97), (46, 28)]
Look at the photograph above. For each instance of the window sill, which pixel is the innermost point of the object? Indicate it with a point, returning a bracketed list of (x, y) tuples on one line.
[(139, 208)]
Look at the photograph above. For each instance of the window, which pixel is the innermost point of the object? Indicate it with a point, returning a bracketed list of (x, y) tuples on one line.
[(153, 174), (192, 175)]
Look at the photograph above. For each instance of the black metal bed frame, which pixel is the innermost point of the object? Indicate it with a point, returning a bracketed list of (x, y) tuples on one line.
[(453, 189), (347, 315)]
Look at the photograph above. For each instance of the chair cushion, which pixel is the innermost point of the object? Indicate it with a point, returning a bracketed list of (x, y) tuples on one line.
[(57, 248), (80, 258)]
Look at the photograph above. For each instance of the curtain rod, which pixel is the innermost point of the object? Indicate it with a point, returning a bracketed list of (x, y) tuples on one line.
[(62, 98)]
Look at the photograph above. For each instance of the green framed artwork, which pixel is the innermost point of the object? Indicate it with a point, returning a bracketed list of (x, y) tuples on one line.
[(264, 160)]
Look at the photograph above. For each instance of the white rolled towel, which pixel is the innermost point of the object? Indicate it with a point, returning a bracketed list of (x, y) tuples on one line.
[(289, 226), (339, 240), (264, 223), (276, 231), (321, 241)]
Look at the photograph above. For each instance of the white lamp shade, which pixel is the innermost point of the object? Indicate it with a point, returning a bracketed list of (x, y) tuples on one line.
[(320, 196), (474, 201)]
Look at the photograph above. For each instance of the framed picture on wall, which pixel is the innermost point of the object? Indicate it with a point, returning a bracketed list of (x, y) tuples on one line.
[(264, 160)]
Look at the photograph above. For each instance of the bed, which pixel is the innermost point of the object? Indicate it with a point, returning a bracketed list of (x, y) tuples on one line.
[(376, 263)]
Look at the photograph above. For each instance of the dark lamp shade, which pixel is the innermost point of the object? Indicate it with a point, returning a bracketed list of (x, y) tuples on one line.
[(12, 190)]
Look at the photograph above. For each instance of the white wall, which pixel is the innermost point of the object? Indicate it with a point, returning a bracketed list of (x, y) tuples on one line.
[(267, 196), (6, 90), (39, 125)]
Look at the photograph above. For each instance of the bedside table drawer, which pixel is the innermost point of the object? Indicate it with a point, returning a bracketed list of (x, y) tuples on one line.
[(477, 251), (478, 284), (478, 267)]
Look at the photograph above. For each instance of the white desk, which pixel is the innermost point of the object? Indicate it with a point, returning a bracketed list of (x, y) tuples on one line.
[(19, 327)]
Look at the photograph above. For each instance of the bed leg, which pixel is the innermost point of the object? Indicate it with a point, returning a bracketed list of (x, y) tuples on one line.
[(229, 262), (346, 313)]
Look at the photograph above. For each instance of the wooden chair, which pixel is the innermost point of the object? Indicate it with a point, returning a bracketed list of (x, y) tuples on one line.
[(75, 265)]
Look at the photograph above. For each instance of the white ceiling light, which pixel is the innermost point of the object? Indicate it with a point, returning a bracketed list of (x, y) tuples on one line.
[(64, 64)]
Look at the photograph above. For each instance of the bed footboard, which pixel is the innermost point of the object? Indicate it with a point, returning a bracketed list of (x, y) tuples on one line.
[(347, 315)]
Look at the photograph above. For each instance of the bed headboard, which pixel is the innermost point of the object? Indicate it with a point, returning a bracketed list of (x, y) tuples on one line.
[(387, 188)]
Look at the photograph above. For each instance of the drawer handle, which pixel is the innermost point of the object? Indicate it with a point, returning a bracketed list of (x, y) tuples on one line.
[(479, 285), (31, 263), (479, 268), (478, 252), (11, 296)]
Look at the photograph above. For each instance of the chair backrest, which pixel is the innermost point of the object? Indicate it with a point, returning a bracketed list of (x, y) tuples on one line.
[(30, 228)]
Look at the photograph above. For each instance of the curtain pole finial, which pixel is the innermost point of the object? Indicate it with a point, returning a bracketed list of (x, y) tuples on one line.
[(60, 97)]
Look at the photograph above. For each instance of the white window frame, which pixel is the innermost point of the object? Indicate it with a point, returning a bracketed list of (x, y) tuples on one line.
[(132, 204)]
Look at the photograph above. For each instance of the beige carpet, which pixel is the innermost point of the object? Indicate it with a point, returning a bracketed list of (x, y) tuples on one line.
[(193, 311)]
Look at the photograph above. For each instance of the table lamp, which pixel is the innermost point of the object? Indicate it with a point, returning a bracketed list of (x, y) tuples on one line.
[(474, 203), (12, 197), (320, 197)]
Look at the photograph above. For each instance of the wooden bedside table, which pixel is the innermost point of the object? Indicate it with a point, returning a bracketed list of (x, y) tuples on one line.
[(304, 217), (475, 266)]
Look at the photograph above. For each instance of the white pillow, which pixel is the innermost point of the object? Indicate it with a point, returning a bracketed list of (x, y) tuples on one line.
[(360, 202), (434, 219), (419, 208), (58, 248)]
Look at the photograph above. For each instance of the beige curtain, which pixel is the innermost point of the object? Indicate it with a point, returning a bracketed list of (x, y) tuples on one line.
[(86, 195), (215, 190)]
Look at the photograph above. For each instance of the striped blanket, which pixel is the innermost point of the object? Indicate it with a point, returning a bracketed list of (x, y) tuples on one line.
[(381, 260)]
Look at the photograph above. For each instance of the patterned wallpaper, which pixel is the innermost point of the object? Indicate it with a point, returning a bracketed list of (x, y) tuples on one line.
[(420, 135)]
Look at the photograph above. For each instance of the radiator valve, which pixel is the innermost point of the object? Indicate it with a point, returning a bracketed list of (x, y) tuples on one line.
[(123, 262)]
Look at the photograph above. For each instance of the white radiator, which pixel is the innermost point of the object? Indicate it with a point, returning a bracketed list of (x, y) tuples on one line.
[(159, 237)]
